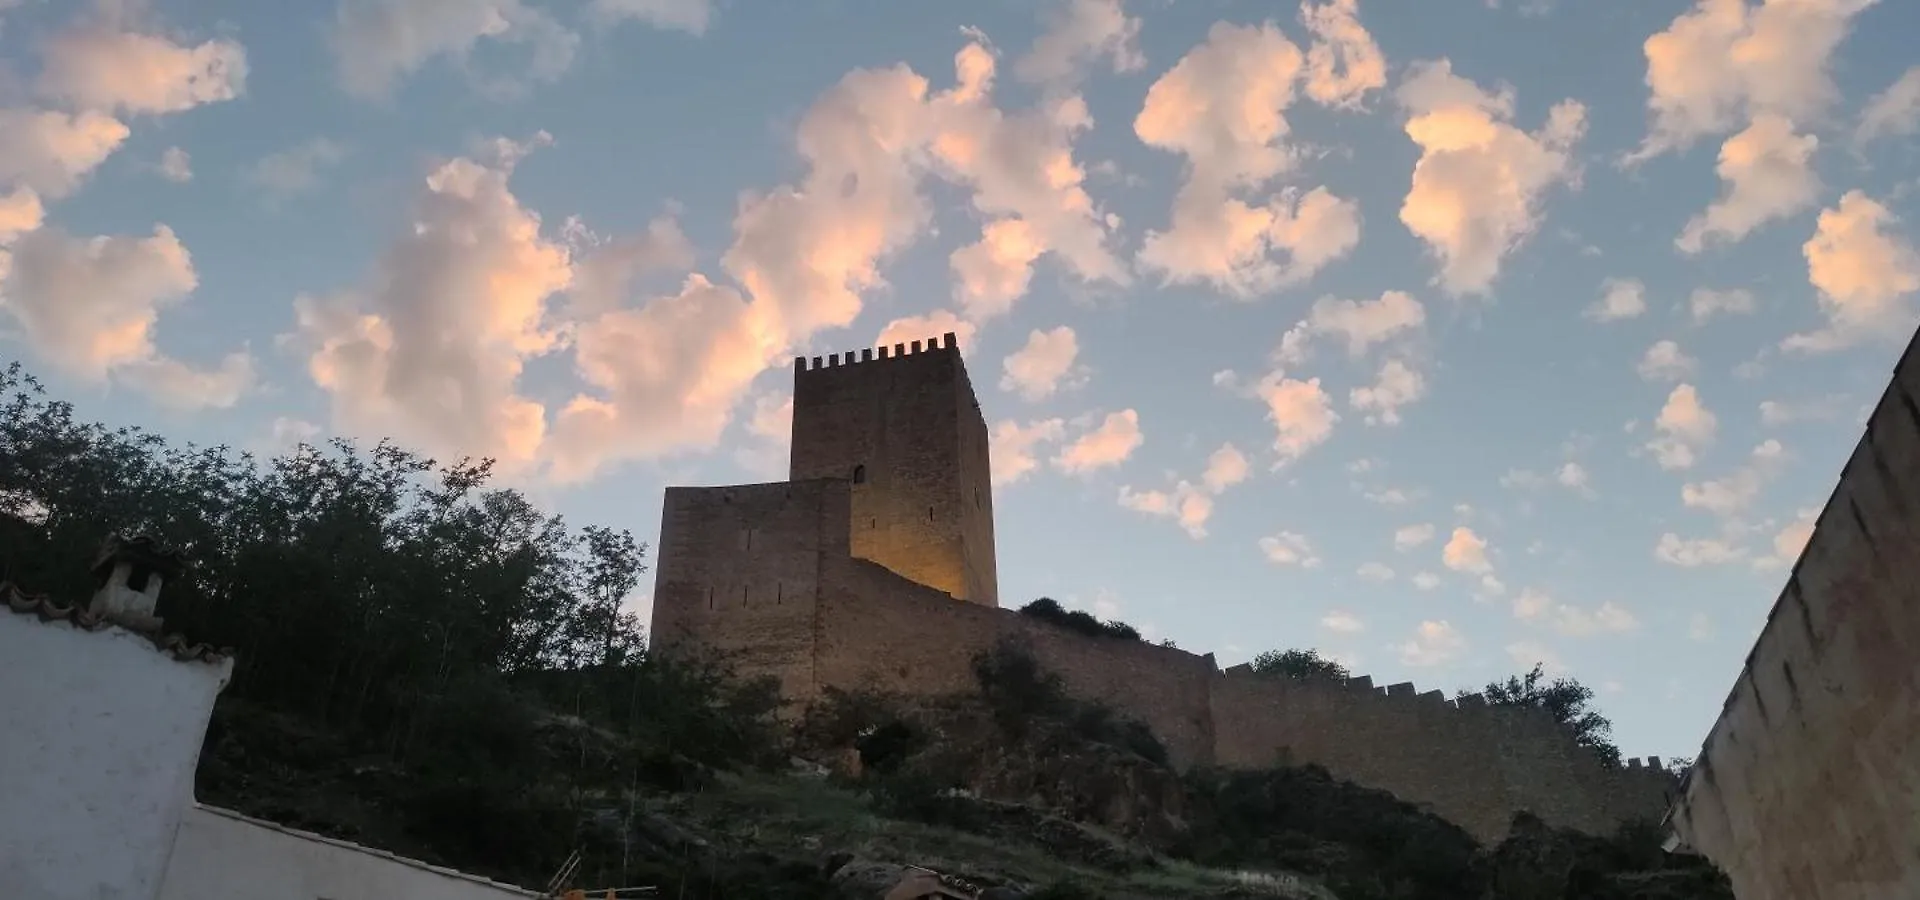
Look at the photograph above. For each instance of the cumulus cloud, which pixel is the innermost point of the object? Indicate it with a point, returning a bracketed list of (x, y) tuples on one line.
[(1620, 298), (1426, 581), (1225, 468), (1433, 643), (907, 330), (1222, 106), (1480, 181), (690, 16), (1302, 415), (1397, 386), (1894, 112), (1571, 620), (1790, 541), (1705, 303), (1682, 428), (1736, 492), (1288, 548), (1411, 536), (89, 306), (1768, 174), (1665, 361), (1043, 364), (1078, 34), (1375, 572), (1190, 504), (1693, 552), (1342, 622), (431, 350), (20, 212), (175, 165), (1728, 61), (112, 62), (1360, 323), (1106, 445), (1864, 270), (52, 152), (1015, 447), (376, 43), (1466, 552), (606, 268), (1343, 64)]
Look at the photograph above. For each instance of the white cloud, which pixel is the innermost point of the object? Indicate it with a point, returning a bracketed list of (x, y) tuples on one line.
[(1705, 303), (1361, 323), (690, 16), (1864, 271), (1375, 572), (1768, 172), (1620, 298), (606, 268), (1894, 112), (1777, 412), (1433, 643), (295, 170), (1411, 536), (1480, 181), (376, 43), (1426, 581), (1225, 468), (1692, 552), (1396, 387), (1289, 548), (1106, 445), (1683, 427), (1733, 494), (1790, 540), (52, 152), (1342, 622), (1574, 476), (1222, 106), (1186, 503), (175, 165), (110, 62), (1043, 365), (1014, 447), (1302, 415), (89, 306), (1344, 64), (1466, 552), (1665, 361), (20, 212), (1078, 34), (770, 426)]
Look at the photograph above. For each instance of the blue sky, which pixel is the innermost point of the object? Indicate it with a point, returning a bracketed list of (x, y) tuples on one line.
[(1443, 337)]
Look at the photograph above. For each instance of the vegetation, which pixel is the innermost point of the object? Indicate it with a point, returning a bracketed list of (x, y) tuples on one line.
[(1299, 664), (1049, 610), (1565, 699)]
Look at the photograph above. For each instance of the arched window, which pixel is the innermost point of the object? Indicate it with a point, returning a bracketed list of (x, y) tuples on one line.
[(859, 474)]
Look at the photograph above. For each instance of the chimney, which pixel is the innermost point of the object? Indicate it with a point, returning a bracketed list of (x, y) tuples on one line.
[(128, 574)]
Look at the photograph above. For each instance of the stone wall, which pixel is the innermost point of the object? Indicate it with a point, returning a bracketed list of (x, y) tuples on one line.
[(1808, 785)]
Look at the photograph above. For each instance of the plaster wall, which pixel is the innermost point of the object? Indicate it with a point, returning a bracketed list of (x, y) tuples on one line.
[(222, 855), (99, 737), (1808, 785)]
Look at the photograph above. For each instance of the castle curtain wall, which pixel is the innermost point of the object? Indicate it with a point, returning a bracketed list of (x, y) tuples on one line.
[(1807, 785)]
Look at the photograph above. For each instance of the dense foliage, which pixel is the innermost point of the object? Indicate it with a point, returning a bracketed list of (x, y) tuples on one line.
[(401, 629), (1299, 664), (1567, 700), (1049, 610)]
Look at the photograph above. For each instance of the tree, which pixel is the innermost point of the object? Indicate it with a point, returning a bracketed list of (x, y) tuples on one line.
[(1565, 699), (1299, 664)]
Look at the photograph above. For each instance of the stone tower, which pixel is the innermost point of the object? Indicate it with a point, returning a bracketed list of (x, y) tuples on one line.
[(904, 427)]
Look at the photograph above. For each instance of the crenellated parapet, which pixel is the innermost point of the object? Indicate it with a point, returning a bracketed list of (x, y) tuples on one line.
[(948, 342)]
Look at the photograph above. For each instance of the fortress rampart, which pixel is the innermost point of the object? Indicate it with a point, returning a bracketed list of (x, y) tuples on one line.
[(1808, 785), (872, 568)]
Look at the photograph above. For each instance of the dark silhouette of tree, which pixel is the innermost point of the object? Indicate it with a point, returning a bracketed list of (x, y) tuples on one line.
[(1299, 664), (1567, 700), (1048, 609)]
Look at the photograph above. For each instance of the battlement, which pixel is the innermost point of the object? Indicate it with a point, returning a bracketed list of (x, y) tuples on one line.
[(948, 343)]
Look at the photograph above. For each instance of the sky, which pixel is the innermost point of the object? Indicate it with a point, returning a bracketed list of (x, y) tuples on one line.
[(1444, 337)]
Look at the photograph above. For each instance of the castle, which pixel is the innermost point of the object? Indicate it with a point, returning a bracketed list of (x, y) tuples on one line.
[(872, 568)]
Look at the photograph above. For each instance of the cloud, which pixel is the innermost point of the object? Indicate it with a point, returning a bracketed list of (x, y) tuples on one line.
[(1375, 572), (1411, 536), (1340, 621), (1570, 620), (690, 16), (175, 165), (769, 423), (1683, 426), (1733, 494), (52, 152), (295, 170), (1042, 365), (1225, 468), (1768, 173), (376, 43), (1189, 505), (1864, 271), (1775, 412), (1725, 61), (1466, 552), (1665, 361), (1080, 33), (432, 349), (89, 306), (922, 328), (1692, 552), (1528, 653), (1344, 64), (1014, 447), (1222, 106), (1361, 323), (1396, 387), (1433, 643), (1106, 445), (1480, 181), (1573, 475), (20, 212), (1287, 548), (1705, 303), (1426, 581), (606, 268), (1791, 540), (1302, 415), (1620, 298), (1894, 112), (110, 63)]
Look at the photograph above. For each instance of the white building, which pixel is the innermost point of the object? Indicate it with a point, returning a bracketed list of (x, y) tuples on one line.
[(101, 726)]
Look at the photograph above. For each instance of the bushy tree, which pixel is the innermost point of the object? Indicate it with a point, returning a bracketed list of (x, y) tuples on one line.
[(1048, 609), (1299, 664), (1567, 700)]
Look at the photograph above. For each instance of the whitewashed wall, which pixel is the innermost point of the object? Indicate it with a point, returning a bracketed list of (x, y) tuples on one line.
[(222, 855), (99, 736)]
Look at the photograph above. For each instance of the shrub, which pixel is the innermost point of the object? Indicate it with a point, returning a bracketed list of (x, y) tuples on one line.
[(1050, 611), (1299, 664)]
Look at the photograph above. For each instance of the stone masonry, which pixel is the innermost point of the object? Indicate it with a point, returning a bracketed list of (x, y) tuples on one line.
[(872, 568), (1808, 786)]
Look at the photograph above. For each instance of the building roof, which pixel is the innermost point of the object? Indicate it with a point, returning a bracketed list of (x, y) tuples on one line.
[(370, 851), (49, 610)]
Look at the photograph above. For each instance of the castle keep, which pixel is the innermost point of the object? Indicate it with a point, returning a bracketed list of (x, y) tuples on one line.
[(872, 568)]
